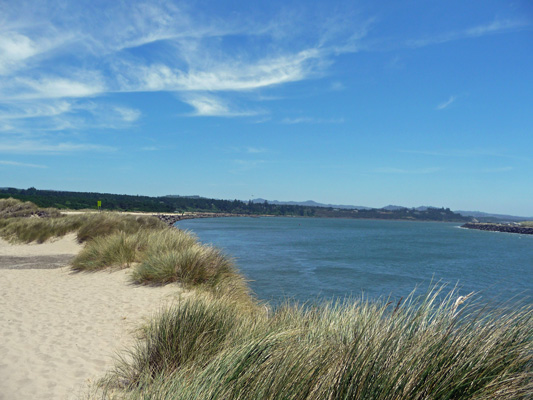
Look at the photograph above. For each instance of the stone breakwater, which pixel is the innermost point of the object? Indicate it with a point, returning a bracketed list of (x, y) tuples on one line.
[(171, 219), (499, 228)]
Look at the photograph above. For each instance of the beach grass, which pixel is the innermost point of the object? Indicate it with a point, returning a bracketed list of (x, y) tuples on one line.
[(15, 208), (191, 265), (430, 347), (167, 255), (19, 223), (11, 208), (27, 230), (121, 249), (219, 342), (107, 223)]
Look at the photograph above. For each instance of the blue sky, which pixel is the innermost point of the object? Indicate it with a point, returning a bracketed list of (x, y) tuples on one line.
[(344, 102)]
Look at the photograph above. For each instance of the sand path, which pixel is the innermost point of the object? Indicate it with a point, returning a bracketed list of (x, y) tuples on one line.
[(60, 330)]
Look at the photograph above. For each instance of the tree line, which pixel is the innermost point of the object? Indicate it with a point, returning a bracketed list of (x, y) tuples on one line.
[(179, 204)]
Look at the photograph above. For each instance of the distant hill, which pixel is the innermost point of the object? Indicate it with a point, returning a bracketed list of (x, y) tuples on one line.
[(480, 216), (311, 203), (487, 217), (177, 196), (393, 208), (177, 203)]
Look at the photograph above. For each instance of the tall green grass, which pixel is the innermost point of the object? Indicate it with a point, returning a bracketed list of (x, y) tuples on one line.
[(428, 348), (28, 230), (156, 253), (171, 342), (219, 343), (192, 265), (18, 227), (107, 223), (121, 249), (161, 256), (15, 208)]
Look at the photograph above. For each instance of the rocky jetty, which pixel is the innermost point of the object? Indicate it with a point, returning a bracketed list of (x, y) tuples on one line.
[(499, 228), (171, 219)]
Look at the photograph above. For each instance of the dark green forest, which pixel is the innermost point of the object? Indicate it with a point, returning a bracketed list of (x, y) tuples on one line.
[(171, 204)]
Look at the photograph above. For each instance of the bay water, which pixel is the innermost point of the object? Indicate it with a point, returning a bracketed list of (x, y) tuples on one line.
[(309, 259)]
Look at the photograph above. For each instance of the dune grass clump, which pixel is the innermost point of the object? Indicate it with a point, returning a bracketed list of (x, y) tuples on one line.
[(107, 223), (87, 226), (122, 249), (427, 348), (116, 250), (11, 207), (158, 257), (190, 332), (39, 230), (192, 265), (157, 254)]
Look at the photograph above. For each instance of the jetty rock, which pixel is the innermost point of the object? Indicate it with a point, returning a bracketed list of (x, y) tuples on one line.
[(499, 228)]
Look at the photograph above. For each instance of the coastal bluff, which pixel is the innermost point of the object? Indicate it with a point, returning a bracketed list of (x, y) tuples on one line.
[(499, 228)]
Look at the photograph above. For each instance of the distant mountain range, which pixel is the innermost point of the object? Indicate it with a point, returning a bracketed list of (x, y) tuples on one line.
[(311, 203), (309, 208), (481, 216)]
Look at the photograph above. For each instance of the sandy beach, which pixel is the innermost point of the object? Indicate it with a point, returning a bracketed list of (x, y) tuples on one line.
[(61, 330)]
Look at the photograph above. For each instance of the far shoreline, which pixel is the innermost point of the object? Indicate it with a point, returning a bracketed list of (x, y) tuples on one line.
[(176, 218)]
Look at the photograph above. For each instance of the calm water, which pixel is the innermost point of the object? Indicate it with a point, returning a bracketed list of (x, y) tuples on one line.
[(306, 259)]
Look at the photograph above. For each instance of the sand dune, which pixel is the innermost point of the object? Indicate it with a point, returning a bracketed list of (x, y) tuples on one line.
[(60, 330), (64, 245)]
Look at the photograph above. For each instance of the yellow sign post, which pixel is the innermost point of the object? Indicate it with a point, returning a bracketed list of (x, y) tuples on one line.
[(99, 202)]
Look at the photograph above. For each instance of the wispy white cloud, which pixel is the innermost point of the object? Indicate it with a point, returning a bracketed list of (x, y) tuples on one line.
[(128, 114), (498, 153), (23, 110), (395, 63), (247, 150), (447, 103), (497, 26), (256, 150), (312, 120), (246, 165), (225, 75), (262, 120), (212, 106), (418, 171), (337, 86), (52, 87), (41, 147), (19, 164), (14, 49), (35, 117), (497, 169), (183, 52), (149, 148), (17, 49)]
